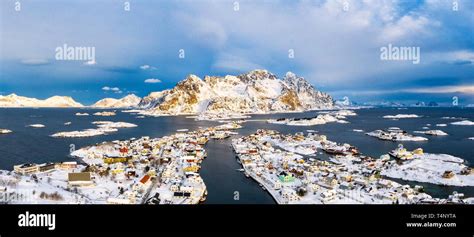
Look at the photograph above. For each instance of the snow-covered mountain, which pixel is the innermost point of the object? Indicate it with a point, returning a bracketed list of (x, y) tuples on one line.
[(14, 100), (258, 91), (125, 102)]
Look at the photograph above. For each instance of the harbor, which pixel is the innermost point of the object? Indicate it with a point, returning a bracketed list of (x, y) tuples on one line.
[(218, 170)]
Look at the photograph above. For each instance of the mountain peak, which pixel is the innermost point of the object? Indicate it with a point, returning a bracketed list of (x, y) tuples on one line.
[(257, 74), (255, 91), (290, 75), (128, 101), (12, 95), (131, 96), (192, 78)]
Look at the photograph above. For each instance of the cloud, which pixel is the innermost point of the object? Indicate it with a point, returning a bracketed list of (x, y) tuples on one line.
[(456, 57), (34, 62), (229, 62), (405, 27), (113, 89), (204, 30), (465, 89), (152, 80), (147, 67), (334, 49)]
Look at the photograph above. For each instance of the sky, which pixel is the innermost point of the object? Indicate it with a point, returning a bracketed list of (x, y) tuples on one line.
[(336, 45)]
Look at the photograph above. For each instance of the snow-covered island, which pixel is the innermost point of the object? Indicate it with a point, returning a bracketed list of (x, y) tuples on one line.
[(284, 166), (401, 116), (433, 132), (335, 116), (439, 169), (256, 92), (5, 131), (219, 116), (105, 113), (36, 125), (395, 134), (463, 123), (103, 128)]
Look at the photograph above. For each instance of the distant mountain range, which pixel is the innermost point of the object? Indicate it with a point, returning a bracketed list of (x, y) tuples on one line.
[(14, 100), (258, 91)]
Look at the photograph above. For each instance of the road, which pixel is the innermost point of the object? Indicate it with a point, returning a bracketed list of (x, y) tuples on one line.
[(155, 181)]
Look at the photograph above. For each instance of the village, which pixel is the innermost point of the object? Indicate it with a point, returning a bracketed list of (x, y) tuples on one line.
[(286, 166), (295, 169), (135, 171)]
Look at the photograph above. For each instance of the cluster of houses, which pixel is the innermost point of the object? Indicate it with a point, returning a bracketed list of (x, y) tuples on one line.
[(31, 168), (348, 176), (145, 170)]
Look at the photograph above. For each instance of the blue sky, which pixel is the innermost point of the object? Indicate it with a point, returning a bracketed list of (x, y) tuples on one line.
[(338, 51)]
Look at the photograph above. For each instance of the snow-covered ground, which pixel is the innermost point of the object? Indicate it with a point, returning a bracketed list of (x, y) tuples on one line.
[(464, 122), (338, 116), (103, 127), (105, 113), (36, 125), (395, 136), (432, 132), (48, 188), (429, 168), (144, 170), (219, 116), (401, 116), (453, 118), (276, 162), (5, 131)]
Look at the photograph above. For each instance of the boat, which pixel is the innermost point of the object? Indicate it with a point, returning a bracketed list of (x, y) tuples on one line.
[(220, 135), (333, 151), (202, 140), (241, 170)]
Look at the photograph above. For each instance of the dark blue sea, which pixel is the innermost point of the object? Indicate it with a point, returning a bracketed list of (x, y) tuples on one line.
[(219, 170)]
